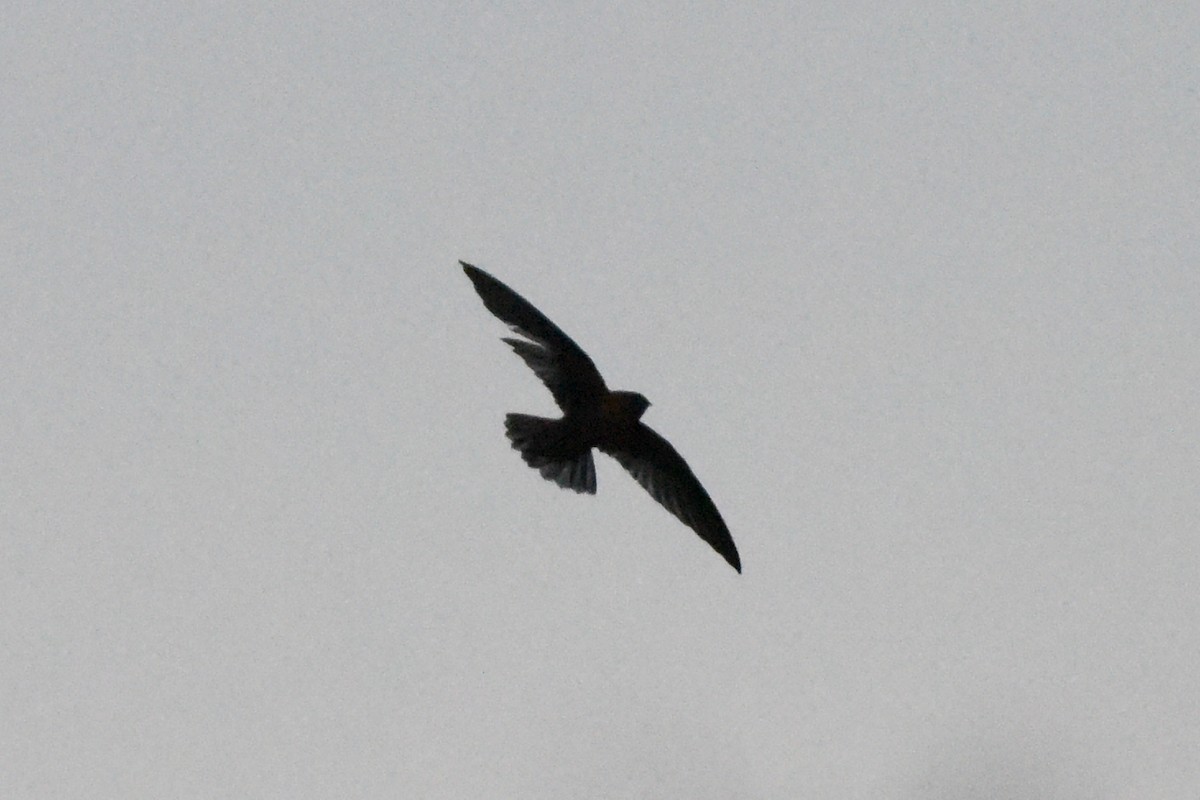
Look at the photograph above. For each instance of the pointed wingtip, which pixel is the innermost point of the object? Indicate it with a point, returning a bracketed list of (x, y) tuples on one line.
[(477, 276), (730, 554)]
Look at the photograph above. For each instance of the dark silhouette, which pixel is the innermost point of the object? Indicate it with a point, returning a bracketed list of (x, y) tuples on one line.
[(594, 416)]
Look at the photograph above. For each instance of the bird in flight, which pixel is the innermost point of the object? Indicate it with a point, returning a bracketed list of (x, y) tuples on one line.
[(594, 416)]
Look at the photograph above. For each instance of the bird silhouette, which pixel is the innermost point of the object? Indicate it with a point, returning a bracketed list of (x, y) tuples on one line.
[(594, 416)]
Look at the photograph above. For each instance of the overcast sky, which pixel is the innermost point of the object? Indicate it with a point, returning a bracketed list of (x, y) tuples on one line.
[(914, 289)]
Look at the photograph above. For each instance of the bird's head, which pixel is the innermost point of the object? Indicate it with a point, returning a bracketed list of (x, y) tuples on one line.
[(632, 404)]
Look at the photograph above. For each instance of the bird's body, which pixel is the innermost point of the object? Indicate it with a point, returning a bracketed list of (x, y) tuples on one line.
[(594, 417)]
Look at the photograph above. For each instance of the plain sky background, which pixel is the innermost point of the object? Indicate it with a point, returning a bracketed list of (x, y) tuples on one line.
[(915, 288)]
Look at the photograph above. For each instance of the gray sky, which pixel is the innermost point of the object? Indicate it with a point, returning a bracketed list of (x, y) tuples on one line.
[(915, 291)]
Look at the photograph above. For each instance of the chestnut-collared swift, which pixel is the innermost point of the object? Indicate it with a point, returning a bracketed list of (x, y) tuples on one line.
[(594, 416)]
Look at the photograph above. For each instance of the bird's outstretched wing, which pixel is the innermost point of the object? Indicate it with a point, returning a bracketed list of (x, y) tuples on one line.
[(662, 472), (565, 369)]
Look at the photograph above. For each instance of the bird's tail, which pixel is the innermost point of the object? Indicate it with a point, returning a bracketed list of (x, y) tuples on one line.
[(544, 446)]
